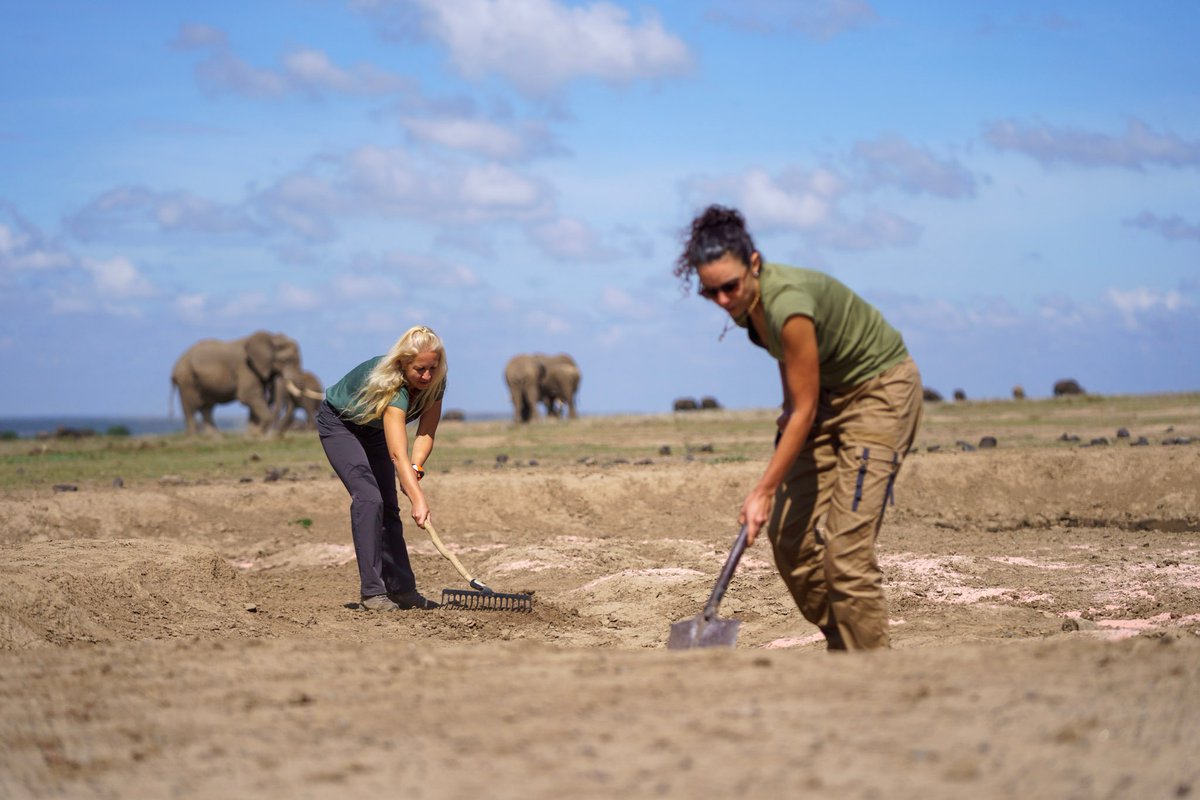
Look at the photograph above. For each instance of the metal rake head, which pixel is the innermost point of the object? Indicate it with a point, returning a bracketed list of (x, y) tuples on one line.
[(486, 601)]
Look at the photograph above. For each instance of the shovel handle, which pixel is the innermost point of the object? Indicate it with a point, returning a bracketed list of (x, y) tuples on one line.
[(731, 562)]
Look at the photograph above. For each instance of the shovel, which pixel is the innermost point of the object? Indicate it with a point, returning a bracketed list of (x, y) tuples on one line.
[(707, 629)]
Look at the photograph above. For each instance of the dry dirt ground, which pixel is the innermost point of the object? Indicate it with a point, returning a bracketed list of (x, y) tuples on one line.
[(201, 640)]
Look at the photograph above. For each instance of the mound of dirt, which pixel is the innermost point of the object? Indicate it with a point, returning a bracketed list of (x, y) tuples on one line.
[(62, 593)]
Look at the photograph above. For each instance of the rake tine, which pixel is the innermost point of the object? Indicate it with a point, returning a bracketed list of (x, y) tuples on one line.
[(486, 601)]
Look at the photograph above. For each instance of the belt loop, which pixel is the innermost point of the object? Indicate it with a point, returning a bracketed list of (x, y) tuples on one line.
[(862, 474)]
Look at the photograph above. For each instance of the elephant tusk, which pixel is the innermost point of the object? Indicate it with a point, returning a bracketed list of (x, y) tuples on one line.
[(296, 391)]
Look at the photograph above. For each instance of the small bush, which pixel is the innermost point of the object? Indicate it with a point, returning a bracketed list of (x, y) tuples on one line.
[(117, 430), (8, 436)]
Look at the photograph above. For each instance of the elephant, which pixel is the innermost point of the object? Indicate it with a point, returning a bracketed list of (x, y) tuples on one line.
[(559, 385), (523, 374), (306, 393), (685, 404), (215, 371), (535, 378), (931, 395), (1018, 392), (959, 395), (1067, 386), (709, 402)]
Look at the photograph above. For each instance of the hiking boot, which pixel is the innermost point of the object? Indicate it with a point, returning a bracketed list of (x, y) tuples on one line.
[(379, 602), (412, 599)]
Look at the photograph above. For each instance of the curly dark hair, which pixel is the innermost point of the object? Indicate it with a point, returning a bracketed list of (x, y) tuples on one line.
[(714, 232)]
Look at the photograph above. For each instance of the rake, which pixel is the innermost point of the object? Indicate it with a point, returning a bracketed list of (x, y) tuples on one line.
[(482, 598)]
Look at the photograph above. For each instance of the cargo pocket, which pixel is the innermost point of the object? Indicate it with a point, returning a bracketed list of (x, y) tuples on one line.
[(872, 459)]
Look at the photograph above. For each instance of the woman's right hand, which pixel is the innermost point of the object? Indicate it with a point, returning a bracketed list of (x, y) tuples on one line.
[(755, 512)]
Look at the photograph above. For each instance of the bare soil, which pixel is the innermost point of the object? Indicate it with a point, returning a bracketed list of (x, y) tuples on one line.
[(201, 638)]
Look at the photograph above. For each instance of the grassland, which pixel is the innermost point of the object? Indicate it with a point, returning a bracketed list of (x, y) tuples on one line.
[(712, 435)]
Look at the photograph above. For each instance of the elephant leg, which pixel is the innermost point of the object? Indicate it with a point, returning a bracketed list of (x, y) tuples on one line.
[(518, 402), (531, 403), (206, 414), (287, 413), (189, 403), (259, 412), (189, 418)]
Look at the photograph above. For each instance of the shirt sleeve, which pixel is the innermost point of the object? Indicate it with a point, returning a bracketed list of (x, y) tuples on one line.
[(790, 302)]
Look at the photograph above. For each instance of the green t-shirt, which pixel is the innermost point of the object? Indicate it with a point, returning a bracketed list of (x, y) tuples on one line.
[(854, 341), (341, 395)]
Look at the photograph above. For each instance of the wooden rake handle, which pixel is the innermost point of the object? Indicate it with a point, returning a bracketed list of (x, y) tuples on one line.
[(441, 548)]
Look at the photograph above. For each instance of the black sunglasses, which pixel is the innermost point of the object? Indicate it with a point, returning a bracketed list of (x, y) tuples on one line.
[(728, 287)]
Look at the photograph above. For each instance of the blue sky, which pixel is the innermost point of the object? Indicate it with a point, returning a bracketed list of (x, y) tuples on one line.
[(1014, 184)]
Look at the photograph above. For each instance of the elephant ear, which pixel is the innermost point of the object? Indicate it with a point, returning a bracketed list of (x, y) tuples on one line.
[(260, 353)]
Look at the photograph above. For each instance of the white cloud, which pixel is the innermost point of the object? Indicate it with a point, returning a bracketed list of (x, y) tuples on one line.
[(192, 307), (386, 181), (127, 208), (118, 279), (803, 205), (493, 186), (1173, 228), (481, 137), (816, 203), (252, 304), (304, 70), (547, 322), (1138, 148), (357, 286), (295, 298), (540, 44), (24, 248), (620, 303), (1135, 305), (193, 35), (893, 161), (312, 70), (304, 204), (569, 239), (225, 72), (390, 271)]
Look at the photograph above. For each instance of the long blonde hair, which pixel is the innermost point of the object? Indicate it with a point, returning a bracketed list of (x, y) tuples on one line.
[(387, 377)]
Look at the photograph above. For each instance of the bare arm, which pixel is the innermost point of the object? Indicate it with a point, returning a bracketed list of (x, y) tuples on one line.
[(396, 433), (786, 406), (426, 428), (801, 378)]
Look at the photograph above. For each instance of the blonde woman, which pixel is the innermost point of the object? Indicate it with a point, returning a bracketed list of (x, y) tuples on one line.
[(363, 428)]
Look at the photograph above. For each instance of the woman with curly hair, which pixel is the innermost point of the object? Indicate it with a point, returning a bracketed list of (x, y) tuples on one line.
[(363, 428), (851, 408)]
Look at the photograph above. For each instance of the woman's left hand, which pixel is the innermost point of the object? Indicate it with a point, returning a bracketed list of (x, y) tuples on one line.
[(756, 510), (420, 513)]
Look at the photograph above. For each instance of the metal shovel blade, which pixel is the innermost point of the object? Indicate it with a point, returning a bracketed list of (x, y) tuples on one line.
[(698, 632), (706, 629)]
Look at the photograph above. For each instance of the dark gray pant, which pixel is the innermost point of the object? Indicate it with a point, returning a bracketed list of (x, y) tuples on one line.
[(359, 456)]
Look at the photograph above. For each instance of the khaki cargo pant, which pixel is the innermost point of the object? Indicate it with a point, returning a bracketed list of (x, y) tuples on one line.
[(845, 475)]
